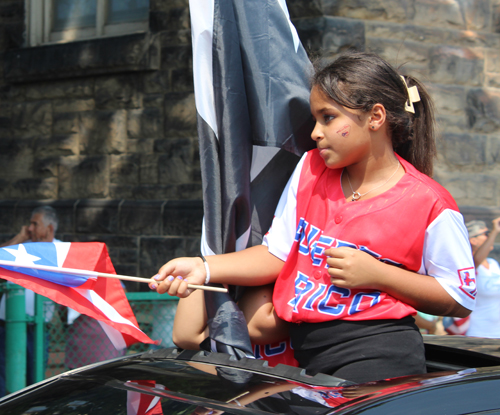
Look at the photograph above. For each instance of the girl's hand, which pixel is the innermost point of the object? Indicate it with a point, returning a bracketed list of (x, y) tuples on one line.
[(350, 268), (175, 275)]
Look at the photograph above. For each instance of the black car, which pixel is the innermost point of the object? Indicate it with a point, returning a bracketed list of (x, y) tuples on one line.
[(463, 380)]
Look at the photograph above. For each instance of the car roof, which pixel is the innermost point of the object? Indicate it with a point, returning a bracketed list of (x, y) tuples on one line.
[(187, 380)]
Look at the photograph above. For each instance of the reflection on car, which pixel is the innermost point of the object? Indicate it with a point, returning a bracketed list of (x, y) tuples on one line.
[(460, 380)]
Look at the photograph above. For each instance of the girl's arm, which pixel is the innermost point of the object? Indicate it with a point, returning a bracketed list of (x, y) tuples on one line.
[(350, 268), (249, 267), (264, 326), (190, 322)]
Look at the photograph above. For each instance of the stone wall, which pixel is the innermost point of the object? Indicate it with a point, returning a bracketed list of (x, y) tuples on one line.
[(105, 129)]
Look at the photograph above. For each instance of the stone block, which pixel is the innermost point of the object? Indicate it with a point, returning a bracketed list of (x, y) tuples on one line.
[(182, 80), (174, 18), (153, 101), (175, 166), (11, 11), (495, 16), (145, 123), (65, 209), (483, 110), (439, 13), (73, 105), (299, 9), (451, 124), (430, 35), (459, 66), (157, 82), (448, 99), (328, 36), (124, 169), (144, 191), (492, 61), (493, 153), (492, 80), (32, 119), (58, 145), (156, 251), (62, 89), (46, 167), (180, 115), (149, 170), (467, 189), (17, 163), (97, 216), (66, 123), (386, 10), (34, 188), (177, 57), (83, 177), (409, 56), (118, 54), (140, 145), (103, 132), (189, 191), (141, 217), (477, 14), (464, 150), (7, 212), (176, 37), (182, 218), (118, 92), (162, 5)]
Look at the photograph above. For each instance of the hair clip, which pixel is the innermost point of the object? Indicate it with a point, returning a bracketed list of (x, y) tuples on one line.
[(413, 96)]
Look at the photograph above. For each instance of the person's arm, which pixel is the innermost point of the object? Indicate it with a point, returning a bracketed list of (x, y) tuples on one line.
[(249, 267), (264, 326), (350, 268), (190, 322), (20, 238), (482, 252)]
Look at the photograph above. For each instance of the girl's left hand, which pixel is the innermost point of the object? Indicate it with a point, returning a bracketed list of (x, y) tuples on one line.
[(351, 268)]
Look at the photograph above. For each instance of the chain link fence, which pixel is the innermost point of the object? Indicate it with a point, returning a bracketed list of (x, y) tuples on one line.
[(72, 340)]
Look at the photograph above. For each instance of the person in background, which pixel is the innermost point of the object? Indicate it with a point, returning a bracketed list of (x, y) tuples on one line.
[(485, 319), (42, 228)]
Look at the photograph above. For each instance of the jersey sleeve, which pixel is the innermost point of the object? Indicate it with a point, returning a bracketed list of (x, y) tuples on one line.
[(448, 257), (279, 239)]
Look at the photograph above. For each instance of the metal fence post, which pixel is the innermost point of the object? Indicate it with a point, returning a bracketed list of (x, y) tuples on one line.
[(40, 346), (15, 341)]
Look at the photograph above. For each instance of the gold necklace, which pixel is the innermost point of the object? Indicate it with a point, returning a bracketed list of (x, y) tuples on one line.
[(356, 195)]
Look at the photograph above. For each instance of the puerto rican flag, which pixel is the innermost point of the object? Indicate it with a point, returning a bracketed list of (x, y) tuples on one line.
[(101, 298), (141, 403)]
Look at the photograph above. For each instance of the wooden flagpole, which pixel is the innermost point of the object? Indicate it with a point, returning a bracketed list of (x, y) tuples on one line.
[(84, 272)]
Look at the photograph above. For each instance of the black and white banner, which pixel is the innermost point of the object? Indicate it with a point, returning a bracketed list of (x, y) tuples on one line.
[(251, 81)]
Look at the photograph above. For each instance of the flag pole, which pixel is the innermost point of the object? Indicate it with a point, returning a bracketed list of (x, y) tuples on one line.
[(84, 272)]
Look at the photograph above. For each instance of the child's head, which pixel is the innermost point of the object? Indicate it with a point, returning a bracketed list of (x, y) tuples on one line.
[(359, 80)]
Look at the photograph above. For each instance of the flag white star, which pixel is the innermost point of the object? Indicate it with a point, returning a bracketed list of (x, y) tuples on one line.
[(22, 256)]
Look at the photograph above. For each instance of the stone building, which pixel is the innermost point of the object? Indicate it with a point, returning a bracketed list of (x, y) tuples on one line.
[(102, 125)]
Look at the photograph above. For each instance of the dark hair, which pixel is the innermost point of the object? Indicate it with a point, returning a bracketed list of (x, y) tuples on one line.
[(359, 80), (49, 216)]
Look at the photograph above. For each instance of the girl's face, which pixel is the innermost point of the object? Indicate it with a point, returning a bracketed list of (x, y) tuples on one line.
[(342, 135)]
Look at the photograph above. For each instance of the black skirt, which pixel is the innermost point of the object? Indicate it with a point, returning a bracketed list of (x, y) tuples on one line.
[(360, 351)]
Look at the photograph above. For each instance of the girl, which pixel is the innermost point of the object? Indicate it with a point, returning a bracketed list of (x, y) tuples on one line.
[(362, 237)]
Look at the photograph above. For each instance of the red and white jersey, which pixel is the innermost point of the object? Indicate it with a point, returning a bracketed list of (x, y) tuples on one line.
[(276, 353), (415, 225)]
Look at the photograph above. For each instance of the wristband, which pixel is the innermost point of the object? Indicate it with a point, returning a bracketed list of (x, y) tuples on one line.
[(207, 269)]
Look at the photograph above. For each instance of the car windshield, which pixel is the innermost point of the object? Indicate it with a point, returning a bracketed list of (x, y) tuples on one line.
[(172, 387)]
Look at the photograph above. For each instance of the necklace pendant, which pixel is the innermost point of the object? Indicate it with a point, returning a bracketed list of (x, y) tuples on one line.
[(355, 196)]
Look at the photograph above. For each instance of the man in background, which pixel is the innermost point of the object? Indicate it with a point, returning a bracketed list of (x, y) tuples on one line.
[(42, 228)]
